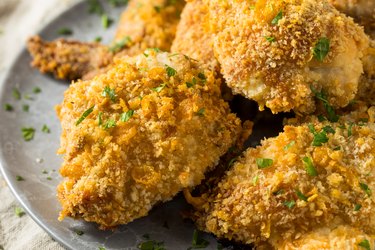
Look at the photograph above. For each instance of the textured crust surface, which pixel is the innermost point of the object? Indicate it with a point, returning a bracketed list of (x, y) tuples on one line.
[(251, 204), (277, 74), (193, 37), (115, 174)]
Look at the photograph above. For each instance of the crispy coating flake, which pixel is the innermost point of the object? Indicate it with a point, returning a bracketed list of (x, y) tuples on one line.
[(149, 24), (147, 137), (301, 187), (68, 59), (266, 51), (193, 37)]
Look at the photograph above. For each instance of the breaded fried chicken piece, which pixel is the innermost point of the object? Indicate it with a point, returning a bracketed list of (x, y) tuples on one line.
[(149, 24), (138, 134), (272, 51), (144, 24), (193, 37), (68, 59), (366, 87), (310, 176), (362, 11)]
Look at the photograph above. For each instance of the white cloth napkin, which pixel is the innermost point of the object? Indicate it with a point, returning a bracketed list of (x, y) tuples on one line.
[(20, 19)]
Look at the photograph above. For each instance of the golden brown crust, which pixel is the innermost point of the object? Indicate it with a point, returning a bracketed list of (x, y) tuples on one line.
[(177, 133), (68, 59), (251, 204), (277, 74)]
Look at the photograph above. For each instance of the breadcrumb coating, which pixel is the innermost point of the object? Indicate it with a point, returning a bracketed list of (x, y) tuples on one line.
[(366, 87), (266, 51), (149, 24), (291, 185), (193, 37), (146, 136), (68, 60)]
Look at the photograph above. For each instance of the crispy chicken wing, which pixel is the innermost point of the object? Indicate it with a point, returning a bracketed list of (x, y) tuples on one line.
[(272, 51), (139, 134), (144, 24), (311, 176)]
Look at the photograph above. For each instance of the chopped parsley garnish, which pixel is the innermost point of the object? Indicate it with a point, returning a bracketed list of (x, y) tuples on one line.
[(365, 188), (197, 241), (202, 76), (36, 90), (120, 44), (309, 166), (277, 18), (110, 124), (201, 112), (19, 211), (289, 204), (157, 50), (8, 107), (232, 161), (46, 129), (350, 132), (101, 248), (127, 115), (98, 39), (28, 97), (170, 71), (192, 83), (28, 133), (79, 232), (118, 3), (321, 49), (84, 115), (95, 7), (255, 179), (106, 21), (157, 8), (301, 195), (365, 244), (151, 245), (289, 145), (357, 207), (270, 39), (321, 118), (278, 192), (49, 178), (263, 162), (44, 172), (108, 92), (16, 94), (322, 96), (65, 32), (19, 178), (25, 108), (337, 148), (159, 88), (100, 120), (328, 129), (319, 138)]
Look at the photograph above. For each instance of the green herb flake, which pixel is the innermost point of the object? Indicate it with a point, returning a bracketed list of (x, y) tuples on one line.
[(350, 132), (19, 211), (98, 39), (84, 115), (101, 248), (322, 96), (159, 88), (301, 195), (365, 188), (106, 21), (321, 118), (321, 49), (357, 207), (100, 120), (278, 192), (8, 107), (111, 93), (151, 245), (28, 97), (79, 232), (119, 45), (118, 3), (264, 163), (232, 161), (44, 172), (37, 90), (25, 108), (201, 112), (157, 8), (277, 18), (309, 166), (49, 178), (202, 76), (95, 7), (65, 32), (329, 130), (337, 148), (289, 145), (28, 133), (16, 94), (197, 241), (319, 138), (170, 71), (111, 123), (19, 178), (127, 115), (45, 129), (192, 83), (365, 244), (270, 39), (289, 204), (255, 179)]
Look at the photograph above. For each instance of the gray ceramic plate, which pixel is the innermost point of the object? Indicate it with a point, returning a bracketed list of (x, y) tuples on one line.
[(20, 158)]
